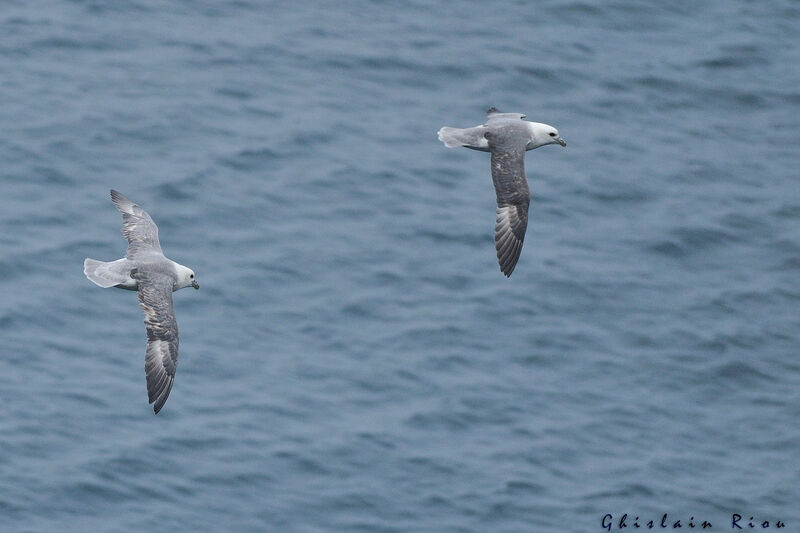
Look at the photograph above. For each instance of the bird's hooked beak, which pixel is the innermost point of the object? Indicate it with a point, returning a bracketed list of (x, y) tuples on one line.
[(561, 141), (195, 285)]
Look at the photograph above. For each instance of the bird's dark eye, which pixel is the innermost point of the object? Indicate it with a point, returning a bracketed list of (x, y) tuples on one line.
[(552, 134), (191, 276)]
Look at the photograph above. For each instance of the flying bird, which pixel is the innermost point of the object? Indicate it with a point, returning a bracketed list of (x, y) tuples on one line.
[(507, 137), (145, 269)]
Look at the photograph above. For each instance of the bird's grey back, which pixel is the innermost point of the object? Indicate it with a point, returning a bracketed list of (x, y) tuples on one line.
[(159, 266), (507, 135)]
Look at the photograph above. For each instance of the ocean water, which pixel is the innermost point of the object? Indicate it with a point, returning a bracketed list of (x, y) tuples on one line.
[(354, 359)]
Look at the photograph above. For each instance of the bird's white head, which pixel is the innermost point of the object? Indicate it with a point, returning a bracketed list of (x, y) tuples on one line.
[(542, 134), (185, 277)]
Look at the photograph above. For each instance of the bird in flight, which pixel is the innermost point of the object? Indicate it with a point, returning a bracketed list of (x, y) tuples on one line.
[(507, 137), (145, 269)]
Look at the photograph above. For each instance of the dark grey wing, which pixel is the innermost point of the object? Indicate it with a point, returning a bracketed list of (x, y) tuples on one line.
[(137, 226), (161, 358), (513, 199)]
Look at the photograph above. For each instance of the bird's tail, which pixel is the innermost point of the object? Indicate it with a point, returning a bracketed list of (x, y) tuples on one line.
[(467, 137), (101, 273)]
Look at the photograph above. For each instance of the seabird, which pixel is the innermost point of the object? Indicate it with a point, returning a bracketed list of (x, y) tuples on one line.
[(145, 269), (507, 137)]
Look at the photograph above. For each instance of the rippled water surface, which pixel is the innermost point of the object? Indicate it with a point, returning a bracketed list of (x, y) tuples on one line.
[(355, 360)]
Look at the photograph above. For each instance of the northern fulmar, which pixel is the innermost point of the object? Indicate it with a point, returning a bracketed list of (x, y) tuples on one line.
[(145, 269), (507, 137)]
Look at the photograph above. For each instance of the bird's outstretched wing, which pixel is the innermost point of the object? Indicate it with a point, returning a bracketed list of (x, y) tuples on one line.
[(513, 197), (493, 114), (161, 358), (137, 227)]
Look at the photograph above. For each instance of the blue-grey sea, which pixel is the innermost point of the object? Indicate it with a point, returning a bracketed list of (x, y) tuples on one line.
[(354, 359)]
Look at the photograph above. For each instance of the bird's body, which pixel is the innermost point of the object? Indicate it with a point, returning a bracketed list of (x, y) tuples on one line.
[(507, 137), (146, 270)]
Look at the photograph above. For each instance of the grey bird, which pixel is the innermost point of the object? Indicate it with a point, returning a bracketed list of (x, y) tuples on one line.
[(145, 269), (507, 137)]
